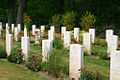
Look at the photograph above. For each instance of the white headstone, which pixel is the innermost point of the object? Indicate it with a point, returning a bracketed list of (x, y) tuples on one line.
[(112, 44), (9, 43), (12, 25), (87, 42), (76, 33), (67, 39), (7, 25), (16, 31), (46, 49), (52, 28), (51, 35), (25, 31), (0, 27), (42, 28), (108, 34), (115, 65), (33, 29), (63, 30), (75, 61), (19, 27), (26, 47), (7, 28), (92, 32), (37, 36)]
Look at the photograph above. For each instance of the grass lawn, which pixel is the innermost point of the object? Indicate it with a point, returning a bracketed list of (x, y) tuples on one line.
[(10, 71)]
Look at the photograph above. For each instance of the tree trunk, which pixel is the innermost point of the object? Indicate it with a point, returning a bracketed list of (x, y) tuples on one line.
[(21, 10), (11, 12)]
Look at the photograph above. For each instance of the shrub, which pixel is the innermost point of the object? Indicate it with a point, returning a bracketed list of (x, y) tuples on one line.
[(56, 21), (68, 19), (34, 63), (56, 64), (3, 53), (87, 20), (16, 57)]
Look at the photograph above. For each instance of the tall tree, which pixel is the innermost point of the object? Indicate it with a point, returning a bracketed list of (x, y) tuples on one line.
[(21, 10), (11, 12)]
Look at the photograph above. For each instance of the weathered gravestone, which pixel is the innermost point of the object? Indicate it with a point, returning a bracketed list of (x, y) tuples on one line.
[(25, 46), (42, 28), (16, 31), (33, 29), (63, 30), (46, 49), (75, 61), (0, 27), (67, 39), (52, 28), (92, 32), (51, 35), (9, 43), (7, 28), (112, 44), (108, 34), (19, 27), (76, 33), (12, 25), (25, 31), (87, 42), (115, 65), (37, 36)]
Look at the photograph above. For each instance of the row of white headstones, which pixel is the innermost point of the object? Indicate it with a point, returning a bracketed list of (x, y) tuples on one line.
[(76, 50)]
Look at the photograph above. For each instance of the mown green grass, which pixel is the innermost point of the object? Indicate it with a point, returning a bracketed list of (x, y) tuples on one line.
[(10, 71), (91, 64)]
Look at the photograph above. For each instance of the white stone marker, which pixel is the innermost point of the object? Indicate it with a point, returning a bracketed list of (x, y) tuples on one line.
[(67, 39), (87, 42), (19, 27), (46, 49), (0, 27), (42, 28), (16, 31), (25, 31), (12, 25), (63, 30), (9, 43), (108, 34), (26, 47), (76, 33), (115, 65), (6, 25), (112, 44), (51, 35), (33, 29), (37, 36), (52, 28), (75, 61), (7, 28), (92, 32)]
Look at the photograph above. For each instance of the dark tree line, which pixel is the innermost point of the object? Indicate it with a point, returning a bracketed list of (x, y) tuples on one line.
[(41, 11)]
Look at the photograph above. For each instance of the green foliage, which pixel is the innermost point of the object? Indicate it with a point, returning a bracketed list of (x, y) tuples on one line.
[(3, 53), (34, 63), (87, 20), (56, 21), (56, 65), (86, 75), (58, 44), (68, 19), (99, 43), (16, 57)]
